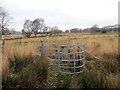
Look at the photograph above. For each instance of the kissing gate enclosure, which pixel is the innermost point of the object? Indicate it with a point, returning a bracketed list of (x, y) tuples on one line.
[(69, 58)]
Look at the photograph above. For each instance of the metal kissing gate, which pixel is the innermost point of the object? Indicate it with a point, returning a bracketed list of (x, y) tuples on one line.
[(68, 58)]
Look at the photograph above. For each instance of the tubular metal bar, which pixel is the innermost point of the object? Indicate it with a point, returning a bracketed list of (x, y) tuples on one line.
[(73, 67), (58, 61), (50, 43), (57, 64), (74, 63), (68, 54), (72, 52), (64, 49), (74, 60), (71, 73), (68, 45)]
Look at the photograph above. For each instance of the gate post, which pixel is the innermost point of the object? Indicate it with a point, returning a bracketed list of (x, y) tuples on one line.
[(3, 40), (43, 51)]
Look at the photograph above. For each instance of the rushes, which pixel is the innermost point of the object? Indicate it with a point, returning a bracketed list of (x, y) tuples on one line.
[(99, 75), (24, 68), (112, 81)]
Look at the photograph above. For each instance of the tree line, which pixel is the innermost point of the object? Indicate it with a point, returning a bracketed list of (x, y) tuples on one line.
[(95, 29), (38, 26)]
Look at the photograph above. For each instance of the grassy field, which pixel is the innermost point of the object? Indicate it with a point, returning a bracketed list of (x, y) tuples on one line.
[(22, 65)]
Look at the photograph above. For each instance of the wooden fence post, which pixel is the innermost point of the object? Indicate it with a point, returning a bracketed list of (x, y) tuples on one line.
[(20, 39), (3, 40)]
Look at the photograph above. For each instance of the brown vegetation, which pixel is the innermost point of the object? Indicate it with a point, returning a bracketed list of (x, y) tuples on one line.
[(23, 66)]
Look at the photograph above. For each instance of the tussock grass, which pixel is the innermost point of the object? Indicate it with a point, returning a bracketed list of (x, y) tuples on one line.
[(23, 66), (112, 81), (102, 74), (5, 67)]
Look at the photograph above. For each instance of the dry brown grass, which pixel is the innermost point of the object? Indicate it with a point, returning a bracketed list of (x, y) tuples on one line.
[(23, 66), (112, 81), (5, 67), (104, 47), (101, 46)]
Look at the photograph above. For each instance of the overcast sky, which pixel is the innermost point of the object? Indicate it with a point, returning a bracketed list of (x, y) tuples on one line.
[(65, 14)]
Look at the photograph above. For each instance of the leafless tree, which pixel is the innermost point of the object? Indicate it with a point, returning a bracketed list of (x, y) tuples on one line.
[(4, 20), (94, 29), (46, 29), (55, 30), (35, 27), (38, 25), (27, 28)]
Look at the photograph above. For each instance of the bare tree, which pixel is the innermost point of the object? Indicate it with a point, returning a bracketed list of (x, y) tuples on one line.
[(38, 25), (27, 28), (67, 31), (55, 30), (46, 29), (75, 30), (94, 29), (4, 20)]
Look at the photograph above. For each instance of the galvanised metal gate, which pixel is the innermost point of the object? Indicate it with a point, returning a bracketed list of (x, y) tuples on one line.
[(69, 58)]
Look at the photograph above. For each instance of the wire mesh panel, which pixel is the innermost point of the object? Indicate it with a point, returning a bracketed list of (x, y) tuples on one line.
[(69, 58)]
